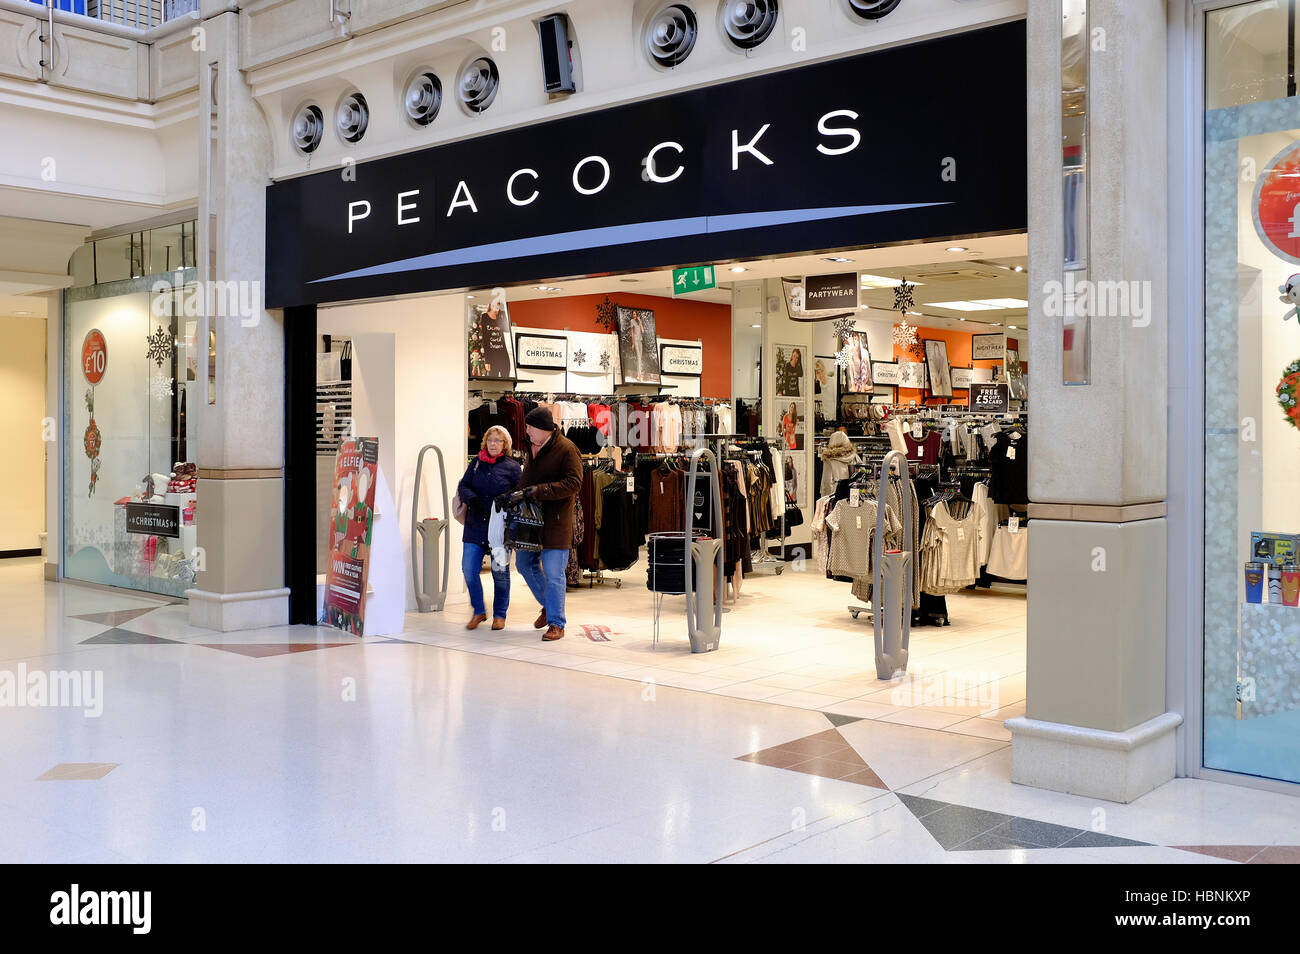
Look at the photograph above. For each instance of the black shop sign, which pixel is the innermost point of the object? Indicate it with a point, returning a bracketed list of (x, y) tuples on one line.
[(155, 520), (925, 141)]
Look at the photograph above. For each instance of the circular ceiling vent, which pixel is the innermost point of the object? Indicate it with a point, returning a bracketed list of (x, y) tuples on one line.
[(353, 117), (479, 84), (423, 98), (873, 9), (748, 23), (307, 128), (671, 35)]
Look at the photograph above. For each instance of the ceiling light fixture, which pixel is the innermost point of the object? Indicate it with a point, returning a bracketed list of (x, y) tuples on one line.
[(756, 326), (738, 269), (836, 258), (1013, 327), (22, 314), (1019, 268), (956, 248)]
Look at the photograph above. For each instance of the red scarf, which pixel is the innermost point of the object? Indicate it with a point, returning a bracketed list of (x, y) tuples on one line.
[(487, 458)]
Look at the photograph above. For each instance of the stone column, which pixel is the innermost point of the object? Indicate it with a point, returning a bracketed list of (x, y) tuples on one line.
[(1096, 722), (240, 434)]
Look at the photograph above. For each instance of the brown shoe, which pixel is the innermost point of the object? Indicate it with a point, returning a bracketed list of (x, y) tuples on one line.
[(540, 622), (554, 633), (475, 620), (499, 623)]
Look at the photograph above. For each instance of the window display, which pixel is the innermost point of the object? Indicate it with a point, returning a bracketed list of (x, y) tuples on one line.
[(1252, 449), (130, 494)]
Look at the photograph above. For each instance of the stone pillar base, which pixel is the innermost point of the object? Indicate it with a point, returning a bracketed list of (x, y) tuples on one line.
[(1115, 766), (52, 572), (228, 612)]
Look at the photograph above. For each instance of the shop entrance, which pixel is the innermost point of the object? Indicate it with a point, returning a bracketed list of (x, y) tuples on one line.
[(813, 396)]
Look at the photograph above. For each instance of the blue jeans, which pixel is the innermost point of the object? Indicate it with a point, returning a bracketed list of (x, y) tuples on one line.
[(544, 574), (471, 565)]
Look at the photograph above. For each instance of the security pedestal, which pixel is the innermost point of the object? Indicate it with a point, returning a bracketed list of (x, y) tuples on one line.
[(703, 629), (431, 530)]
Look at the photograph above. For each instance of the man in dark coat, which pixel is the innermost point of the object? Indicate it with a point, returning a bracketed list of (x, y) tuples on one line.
[(552, 477)]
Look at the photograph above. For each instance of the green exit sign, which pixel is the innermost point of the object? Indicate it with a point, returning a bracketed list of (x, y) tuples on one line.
[(693, 279)]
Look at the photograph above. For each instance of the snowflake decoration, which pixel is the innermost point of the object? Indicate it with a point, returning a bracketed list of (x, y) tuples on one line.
[(604, 361), (842, 357), (905, 334), (606, 314), (843, 325), (903, 300), (580, 357), (161, 388), (161, 346)]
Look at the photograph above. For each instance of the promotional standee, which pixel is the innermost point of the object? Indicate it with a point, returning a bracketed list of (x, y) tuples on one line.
[(352, 518)]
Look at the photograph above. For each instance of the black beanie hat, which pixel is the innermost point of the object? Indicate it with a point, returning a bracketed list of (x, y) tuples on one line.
[(540, 418)]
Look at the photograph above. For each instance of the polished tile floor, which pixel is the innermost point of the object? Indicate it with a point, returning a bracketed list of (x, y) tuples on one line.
[(302, 744)]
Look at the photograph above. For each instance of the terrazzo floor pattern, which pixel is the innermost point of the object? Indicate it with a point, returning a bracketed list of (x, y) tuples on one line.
[(414, 749)]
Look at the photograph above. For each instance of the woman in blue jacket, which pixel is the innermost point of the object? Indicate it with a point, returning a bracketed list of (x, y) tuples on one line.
[(492, 473)]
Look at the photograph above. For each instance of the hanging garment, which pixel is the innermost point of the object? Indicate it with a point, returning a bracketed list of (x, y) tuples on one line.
[(821, 535), (926, 450), (949, 551), (573, 572), (619, 542), (988, 520), (1009, 466), (853, 532), (1009, 557), (894, 429), (667, 503)]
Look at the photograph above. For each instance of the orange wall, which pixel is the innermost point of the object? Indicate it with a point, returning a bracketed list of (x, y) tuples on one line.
[(959, 347), (674, 318)]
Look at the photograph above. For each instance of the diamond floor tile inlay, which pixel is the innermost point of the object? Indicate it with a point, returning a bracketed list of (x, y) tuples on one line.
[(115, 617), (825, 754), (959, 828), (124, 637), (77, 771), (1249, 854), (838, 720), (261, 650)]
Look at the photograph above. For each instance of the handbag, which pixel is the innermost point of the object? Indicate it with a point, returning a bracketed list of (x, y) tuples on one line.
[(459, 509)]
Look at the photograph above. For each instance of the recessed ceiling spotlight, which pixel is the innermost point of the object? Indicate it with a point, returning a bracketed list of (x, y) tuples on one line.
[(961, 319), (471, 297), (629, 281), (22, 314), (996, 324), (1013, 327), (956, 248), (836, 258), (738, 269), (1020, 268), (756, 326)]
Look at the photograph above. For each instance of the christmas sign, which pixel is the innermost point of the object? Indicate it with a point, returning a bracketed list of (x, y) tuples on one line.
[(1277, 204), (94, 356), (352, 519)]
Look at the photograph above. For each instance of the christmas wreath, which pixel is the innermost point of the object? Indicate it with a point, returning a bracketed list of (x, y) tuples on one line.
[(1286, 393), (92, 441)]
